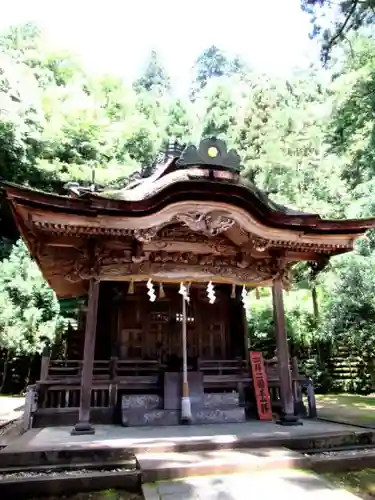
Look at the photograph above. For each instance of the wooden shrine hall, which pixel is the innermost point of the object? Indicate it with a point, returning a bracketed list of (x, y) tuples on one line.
[(165, 264)]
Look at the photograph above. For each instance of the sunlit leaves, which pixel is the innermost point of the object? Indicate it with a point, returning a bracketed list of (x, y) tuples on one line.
[(29, 311)]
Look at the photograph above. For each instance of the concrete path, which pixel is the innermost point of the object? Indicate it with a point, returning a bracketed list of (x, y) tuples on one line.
[(288, 484)]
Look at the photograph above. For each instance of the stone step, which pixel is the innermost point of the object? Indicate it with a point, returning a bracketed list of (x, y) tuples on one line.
[(174, 465)]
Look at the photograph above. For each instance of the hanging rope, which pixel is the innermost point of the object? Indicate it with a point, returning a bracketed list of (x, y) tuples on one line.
[(151, 291), (244, 296), (211, 293), (184, 291)]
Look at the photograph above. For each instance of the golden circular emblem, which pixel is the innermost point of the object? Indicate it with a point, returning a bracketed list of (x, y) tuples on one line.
[(212, 152)]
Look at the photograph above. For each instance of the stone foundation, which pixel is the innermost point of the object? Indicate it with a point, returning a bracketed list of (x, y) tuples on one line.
[(149, 410)]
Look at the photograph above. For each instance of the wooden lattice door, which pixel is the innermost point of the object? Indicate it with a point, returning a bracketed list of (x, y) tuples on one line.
[(158, 330), (130, 328), (213, 344), (213, 327)]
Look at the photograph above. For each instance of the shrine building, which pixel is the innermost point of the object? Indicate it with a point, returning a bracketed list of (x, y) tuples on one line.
[(165, 264)]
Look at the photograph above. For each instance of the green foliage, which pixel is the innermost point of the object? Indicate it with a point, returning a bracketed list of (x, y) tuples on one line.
[(155, 78), (29, 311), (307, 141), (333, 22), (214, 63)]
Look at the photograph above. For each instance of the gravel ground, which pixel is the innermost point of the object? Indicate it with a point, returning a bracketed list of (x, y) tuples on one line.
[(360, 483), (54, 473), (343, 453), (98, 495)]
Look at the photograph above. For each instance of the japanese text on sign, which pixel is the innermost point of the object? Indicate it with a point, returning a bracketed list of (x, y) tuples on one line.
[(260, 383)]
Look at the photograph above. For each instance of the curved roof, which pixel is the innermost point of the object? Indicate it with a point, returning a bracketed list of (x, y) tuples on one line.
[(180, 178), (193, 187)]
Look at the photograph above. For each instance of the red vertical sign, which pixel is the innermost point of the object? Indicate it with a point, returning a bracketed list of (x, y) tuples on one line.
[(260, 383)]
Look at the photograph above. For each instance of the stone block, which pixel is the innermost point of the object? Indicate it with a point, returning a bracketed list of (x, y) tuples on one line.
[(219, 415), (141, 402), (135, 418), (221, 399)]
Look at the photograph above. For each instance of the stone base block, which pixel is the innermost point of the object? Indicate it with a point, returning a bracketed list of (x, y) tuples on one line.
[(156, 417), (221, 399), (141, 402), (82, 429), (219, 415)]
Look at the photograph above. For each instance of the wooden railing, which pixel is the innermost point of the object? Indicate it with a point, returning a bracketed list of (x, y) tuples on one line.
[(60, 385), (60, 395), (62, 369), (235, 374), (102, 369)]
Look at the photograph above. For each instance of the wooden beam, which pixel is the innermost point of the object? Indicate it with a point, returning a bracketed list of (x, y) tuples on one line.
[(214, 247), (287, 416), (61, 241), (83, 425)]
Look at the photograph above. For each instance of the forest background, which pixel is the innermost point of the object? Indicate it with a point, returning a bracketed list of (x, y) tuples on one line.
[(308, 141)]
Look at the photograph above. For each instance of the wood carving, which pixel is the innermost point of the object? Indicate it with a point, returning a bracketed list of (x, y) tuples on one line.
[(259, 244), (209, 224), (146, 235), (97, 259), (91, 258), (188, 263), (182, 233), (175, 233), (285, 274), (87, 265), (138, 254), (166, 270), (190, 227)]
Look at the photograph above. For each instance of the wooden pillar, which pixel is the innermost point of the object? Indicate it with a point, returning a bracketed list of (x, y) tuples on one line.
[(83, 425), (246, 345), (44, 364), (287, 414), (246, 333)]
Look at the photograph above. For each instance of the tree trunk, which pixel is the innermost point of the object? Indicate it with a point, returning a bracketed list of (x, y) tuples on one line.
[(4, 374), (315, 302)]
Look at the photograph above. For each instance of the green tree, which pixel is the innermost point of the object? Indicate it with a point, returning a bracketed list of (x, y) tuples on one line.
[(219, 104), (334, 22), (154, 78), (21, 120), (180, 121), (352, 121), (215, 63), (29, 311)]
